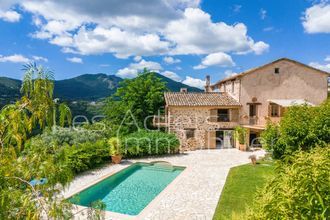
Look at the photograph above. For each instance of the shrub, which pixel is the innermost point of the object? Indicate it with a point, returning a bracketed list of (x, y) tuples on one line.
[(300, 189), (143, 143), (82, 157), (240, 134), (302, 127), (62, 136)]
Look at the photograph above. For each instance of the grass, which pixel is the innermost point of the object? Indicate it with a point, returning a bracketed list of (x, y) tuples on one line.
[(240, 188)]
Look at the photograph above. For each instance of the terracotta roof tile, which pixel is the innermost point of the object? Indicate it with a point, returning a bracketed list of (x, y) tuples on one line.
[(199, 99)]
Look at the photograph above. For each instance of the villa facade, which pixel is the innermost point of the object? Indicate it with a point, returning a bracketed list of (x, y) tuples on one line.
[(249, 99)]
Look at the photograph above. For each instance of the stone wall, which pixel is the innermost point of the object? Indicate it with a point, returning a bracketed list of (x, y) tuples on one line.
[(198, 118)]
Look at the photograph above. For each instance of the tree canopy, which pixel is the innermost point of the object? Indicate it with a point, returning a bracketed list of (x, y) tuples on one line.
[(136, 100)]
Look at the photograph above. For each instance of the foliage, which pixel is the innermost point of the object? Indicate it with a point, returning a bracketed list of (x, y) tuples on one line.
[(135, 101), (241, 134), (143, 143), (302, 127), (115, 146), (18, 198), (62, 136), (300, 189), (84, 156), (240, 189), (36, 109)]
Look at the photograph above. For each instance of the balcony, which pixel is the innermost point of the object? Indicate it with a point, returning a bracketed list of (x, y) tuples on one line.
[(159, 121)]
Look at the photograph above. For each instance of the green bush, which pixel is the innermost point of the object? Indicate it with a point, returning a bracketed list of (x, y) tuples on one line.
[(81, 157), (62, 136), (240, 134), (300, 188), (302, 127), (143, 143)]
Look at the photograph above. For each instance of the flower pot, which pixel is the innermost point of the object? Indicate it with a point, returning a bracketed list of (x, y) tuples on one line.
[(242, 147), (116, 159)]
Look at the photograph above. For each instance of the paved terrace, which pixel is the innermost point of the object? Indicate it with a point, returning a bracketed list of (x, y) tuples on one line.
[(194, 194)]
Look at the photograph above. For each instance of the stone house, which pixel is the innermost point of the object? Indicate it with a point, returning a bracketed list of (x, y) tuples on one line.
[(249, 99)]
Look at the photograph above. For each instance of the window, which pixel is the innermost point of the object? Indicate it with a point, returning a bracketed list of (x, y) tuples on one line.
[(274, 110), (233, 86), (277, 70), (253, 110), (223, 115), (190, 133)]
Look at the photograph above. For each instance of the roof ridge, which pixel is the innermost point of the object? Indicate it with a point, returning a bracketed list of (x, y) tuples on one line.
[(265, 65)]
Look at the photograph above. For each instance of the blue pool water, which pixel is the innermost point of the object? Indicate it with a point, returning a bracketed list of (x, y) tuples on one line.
[(130, 190)]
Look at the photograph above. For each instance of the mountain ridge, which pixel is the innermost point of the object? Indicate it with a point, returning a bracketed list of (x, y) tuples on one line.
[(85, 87)]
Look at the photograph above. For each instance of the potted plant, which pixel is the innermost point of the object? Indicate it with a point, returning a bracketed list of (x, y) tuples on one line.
[(240, 134), (115, 150)]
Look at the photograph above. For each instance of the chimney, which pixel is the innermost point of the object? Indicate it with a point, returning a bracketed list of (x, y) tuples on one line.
[(207, 84), (185, 90)]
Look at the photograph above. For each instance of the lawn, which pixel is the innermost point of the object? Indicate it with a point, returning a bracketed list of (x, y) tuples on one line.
[(240, 189)]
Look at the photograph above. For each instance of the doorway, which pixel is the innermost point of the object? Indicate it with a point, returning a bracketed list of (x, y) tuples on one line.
[(224, 139)]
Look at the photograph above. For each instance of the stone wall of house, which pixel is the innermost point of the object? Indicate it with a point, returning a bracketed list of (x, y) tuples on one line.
[(232, 87), (198, 118)]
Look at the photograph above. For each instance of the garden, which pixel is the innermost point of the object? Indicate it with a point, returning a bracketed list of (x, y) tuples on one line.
[(293, 182), (42, 151)]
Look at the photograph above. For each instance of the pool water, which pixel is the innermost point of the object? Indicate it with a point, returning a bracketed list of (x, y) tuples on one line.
[(130, 190)]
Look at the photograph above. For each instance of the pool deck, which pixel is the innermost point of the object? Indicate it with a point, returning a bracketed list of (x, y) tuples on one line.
[(194, 194)]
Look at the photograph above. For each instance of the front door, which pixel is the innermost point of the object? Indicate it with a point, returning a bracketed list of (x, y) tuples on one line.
[(224, 139)]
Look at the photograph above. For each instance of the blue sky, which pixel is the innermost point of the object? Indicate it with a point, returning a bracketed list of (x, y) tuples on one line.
[(182, 39)]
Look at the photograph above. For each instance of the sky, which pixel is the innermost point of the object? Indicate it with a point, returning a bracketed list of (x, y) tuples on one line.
[(184, 40)]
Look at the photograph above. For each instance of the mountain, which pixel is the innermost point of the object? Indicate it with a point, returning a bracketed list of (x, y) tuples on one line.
[(86, 87)]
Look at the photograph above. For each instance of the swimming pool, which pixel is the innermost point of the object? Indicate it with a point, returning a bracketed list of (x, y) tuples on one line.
[(130, 190)]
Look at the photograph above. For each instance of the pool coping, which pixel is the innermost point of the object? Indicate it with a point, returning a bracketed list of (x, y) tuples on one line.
[(146, 209)]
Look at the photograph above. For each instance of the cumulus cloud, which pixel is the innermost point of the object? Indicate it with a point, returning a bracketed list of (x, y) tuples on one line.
[(229, 73), (327, 59), (324, 67), (171, 75), (195, 33), (10, 16), (194, 82), (171, 60), (74, 60), (136, 28), (134, 68), (16, 58), (216, 59), (40, 58), (316, 19)]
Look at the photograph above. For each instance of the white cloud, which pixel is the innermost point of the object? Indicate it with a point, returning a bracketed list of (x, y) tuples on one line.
[(134, 68), (172, 75), (229, 73), (194, 82), (317, 19), (260, 47), (195, 33), (263, 13), (39, 58), (171, 60), (216, 59), (137, 58), (10, 16), (324, 67), (16, 58), (266, 29), (136, 28), (74, 60), (327, 59)]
